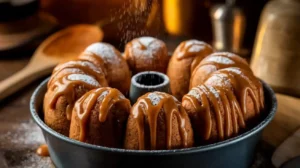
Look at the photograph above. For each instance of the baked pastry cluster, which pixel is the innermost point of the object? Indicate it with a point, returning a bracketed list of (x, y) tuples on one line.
[(215, 96)]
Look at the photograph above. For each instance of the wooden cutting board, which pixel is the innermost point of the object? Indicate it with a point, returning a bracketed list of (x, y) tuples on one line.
[(285, 122), (283, 133)]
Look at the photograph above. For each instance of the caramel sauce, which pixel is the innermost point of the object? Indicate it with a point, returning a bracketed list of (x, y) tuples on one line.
[(225, 91), (92, 57), (85, 66), (87, 102), (65, 87), (63, 84), (42, 150), (222, 60), (144, 108), (229, 103)]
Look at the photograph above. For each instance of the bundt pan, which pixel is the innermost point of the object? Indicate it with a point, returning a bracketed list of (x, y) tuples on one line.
[(237, 152)]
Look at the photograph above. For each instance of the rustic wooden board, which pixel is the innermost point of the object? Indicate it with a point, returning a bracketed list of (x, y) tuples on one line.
[(285, 122)]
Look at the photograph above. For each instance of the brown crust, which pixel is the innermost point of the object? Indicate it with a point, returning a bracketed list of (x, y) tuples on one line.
[(181, 64), (132, 133), (227, 74), (146, 54), (208, 65), (55, 117), (109, 133), (117, 71)]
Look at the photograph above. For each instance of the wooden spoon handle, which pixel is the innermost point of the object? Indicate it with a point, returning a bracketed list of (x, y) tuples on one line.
[(22, 78)]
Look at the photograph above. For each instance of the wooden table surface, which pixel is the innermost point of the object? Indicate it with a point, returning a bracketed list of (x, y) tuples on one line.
[(19, 136)]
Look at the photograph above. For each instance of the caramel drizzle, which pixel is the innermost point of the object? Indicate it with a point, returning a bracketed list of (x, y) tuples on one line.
[(184, 49), (219, 60), (216, 60), (89, 56), (203, 109), (144, 107), (86, 103), (85, 66), (65, 87), (225, 102), (42, 150)]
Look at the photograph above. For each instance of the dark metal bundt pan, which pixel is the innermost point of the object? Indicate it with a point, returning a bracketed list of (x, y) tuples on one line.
[(237, 152)]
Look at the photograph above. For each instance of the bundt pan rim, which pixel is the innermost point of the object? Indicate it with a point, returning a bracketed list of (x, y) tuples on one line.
[(165, 78), (36, 102)]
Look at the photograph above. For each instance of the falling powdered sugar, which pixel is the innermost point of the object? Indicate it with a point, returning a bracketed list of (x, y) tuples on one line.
[(135, 18)]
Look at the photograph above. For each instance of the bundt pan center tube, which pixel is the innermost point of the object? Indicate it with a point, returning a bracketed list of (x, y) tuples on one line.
[(148, 81), (236, 152)]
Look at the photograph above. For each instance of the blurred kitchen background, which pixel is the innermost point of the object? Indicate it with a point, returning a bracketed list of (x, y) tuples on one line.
[(122, 20), (265, 32)]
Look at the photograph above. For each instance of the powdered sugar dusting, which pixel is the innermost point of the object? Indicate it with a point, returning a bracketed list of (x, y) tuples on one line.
[(190, 47), (34, 161), (154, 98), (228, 54), (146, 40), (234, 70), (18, 146), (218, 79), (23, 134), (194, 93), (105, 51), (240, 73), (213, 91), (85, 78), (194, 45), (193, 42), (195, 48), (148, 47), (103, 94), (219, 59)]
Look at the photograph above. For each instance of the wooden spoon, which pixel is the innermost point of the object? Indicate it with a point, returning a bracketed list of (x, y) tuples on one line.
[(59, 47)]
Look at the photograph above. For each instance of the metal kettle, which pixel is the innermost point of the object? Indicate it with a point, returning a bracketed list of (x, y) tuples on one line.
[(228, 23)]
